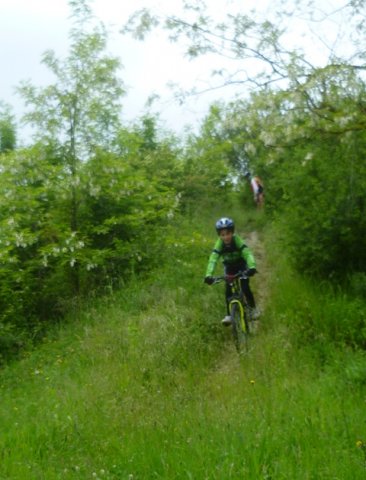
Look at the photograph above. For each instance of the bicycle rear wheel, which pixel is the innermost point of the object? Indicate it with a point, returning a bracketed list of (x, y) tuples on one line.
[(240, 327)]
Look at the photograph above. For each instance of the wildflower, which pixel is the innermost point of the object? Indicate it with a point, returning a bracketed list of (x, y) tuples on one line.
[(360, 444)]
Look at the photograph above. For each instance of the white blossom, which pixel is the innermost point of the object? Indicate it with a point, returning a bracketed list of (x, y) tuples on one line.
[(309, 156), (20, 240), (343, 121), (94, 190), (250, 148)]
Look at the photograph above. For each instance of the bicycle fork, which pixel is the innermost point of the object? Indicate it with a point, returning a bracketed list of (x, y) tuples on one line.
[(236, 301)]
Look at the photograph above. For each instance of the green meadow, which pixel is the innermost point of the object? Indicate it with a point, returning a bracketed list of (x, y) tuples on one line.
[(145, 383), (114, 363)]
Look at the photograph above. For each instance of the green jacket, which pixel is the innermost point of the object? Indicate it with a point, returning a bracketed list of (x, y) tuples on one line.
[(230, 254)]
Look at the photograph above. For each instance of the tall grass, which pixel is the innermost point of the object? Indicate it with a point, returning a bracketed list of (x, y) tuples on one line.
[(146, 384)]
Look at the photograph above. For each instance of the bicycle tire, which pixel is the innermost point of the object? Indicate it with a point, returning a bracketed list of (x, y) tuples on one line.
[(240, 327)]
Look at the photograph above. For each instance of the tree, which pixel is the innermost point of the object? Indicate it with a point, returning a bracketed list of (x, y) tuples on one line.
[(313, 161), (252, 50), (80, 207), (79, 113), (7, 129)]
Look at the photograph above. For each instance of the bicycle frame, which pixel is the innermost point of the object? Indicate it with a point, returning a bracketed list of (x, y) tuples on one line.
[(237, 301)]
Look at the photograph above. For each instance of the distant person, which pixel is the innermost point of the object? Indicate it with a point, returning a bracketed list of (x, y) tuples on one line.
[(236, 257), (257, 187)]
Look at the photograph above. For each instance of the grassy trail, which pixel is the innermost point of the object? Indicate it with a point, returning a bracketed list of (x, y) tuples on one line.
[(147, 385)]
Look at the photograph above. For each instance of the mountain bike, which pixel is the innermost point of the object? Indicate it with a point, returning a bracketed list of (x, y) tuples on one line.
[(239, 309)]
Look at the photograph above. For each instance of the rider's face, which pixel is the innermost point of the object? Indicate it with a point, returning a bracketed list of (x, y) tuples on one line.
[(226, 236)]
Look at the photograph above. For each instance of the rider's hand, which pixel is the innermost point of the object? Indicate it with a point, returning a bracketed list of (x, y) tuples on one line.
[(209, 280), (251, 272)]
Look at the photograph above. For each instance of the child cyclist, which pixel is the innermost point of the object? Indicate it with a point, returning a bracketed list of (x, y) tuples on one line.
[(236, 257)]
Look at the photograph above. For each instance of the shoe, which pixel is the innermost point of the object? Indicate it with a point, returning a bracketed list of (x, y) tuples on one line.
[(226, 320)]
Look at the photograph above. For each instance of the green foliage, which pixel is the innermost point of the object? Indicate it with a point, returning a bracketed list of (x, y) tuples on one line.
[(319, 314), (325, 209), (206, 171), (301, 128), (85, 205), (124, 208), (121, 214), (7, 129), (322, 182), (308, 146), (81, 111), (146, 382)]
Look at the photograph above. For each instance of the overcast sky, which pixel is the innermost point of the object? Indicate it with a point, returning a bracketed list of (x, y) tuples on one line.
[(29, 27)]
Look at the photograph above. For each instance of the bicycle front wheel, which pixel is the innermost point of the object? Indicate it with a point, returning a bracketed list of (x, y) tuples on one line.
[(240, 327)]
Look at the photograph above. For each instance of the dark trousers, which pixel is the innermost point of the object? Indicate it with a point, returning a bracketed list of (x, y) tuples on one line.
[(232, 270)]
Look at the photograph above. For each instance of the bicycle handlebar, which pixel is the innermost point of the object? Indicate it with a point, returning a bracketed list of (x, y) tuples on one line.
[(230, 277)]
